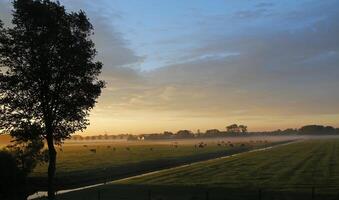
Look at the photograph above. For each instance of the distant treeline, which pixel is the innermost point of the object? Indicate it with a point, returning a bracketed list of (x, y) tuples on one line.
[(232, 130)]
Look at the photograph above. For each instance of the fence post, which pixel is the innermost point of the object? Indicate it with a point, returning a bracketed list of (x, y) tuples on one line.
[(207, 195), (313, 193), (260, 194), (99, 195), (149, 195)]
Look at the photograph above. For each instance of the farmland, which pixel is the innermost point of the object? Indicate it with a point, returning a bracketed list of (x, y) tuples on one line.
[(292, 171), (82, 163)]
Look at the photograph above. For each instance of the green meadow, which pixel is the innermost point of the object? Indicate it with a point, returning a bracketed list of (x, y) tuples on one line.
[(80, 164), (302, 170)]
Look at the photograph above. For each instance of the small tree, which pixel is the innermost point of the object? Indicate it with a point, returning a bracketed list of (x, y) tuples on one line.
[(243, 128), (28, 154), (184, 134), (48, 79)]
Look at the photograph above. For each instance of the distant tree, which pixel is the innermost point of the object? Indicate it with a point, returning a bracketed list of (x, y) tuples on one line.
[(48, 76), (233, 128), (184, 134), (77, 137), (329, 130), (212, 132), (290, 131), (168, 133), (317, 130), (242, 128), (132, 137)]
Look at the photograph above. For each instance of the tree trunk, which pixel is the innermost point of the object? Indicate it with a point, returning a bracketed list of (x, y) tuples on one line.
[(51, 166)]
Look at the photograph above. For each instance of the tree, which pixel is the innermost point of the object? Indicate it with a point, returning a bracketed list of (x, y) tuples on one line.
[(233, 128), (317, 130), (48, 77), (168, 133), (242, 128), (212, 132), (184, 134)]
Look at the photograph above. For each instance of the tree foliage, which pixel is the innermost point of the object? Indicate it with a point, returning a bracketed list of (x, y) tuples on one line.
[(317, 130), (184, 134), (234, 128), (49, 75)]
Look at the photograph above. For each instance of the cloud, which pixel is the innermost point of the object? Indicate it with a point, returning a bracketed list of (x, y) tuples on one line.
[(257, 62), (265, 4), (251, 14), (274, 73)]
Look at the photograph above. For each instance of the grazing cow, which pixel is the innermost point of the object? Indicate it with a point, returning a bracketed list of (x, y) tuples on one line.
[(93, 150), (85, 145), (219, 144), (127, 148), (242, 145), (201, 145), (151, 149), (113, 148), (108, 147)]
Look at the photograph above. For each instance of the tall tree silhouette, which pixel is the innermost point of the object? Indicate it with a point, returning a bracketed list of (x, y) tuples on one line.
[(48, 78)]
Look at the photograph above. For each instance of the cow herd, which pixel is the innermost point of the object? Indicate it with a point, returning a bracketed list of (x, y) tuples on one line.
[(197, 146)]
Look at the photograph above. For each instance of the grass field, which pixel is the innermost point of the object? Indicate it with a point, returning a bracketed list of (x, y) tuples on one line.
[(286, 172), (77, 165)]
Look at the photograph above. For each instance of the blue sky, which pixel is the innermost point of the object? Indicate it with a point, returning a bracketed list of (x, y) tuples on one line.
[(161, 31), (197, 64)]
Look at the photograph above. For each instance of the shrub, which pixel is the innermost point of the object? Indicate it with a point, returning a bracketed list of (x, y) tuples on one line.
[(12, 179)]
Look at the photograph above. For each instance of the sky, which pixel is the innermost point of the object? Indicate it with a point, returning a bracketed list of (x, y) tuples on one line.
[(197, 64)]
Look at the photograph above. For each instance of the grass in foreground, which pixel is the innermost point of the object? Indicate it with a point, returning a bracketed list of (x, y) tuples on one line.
[(287, 172)]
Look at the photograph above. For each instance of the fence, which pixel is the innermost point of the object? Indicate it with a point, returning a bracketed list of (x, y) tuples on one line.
[(200, 193)]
